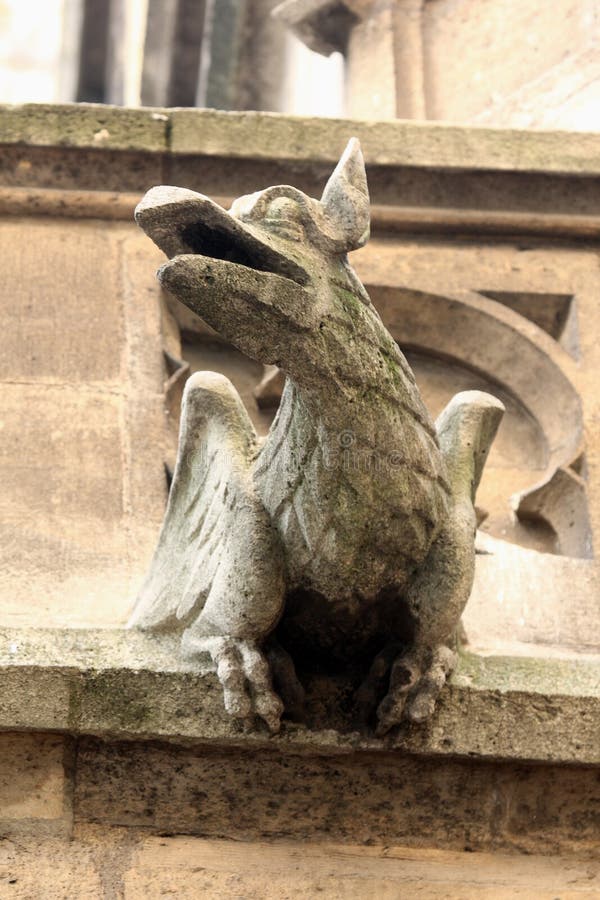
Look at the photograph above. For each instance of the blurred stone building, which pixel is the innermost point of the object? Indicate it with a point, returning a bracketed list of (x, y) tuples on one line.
[(497, 62)]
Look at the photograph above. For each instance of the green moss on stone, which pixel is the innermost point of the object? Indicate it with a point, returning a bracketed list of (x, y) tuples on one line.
[(84, 125)]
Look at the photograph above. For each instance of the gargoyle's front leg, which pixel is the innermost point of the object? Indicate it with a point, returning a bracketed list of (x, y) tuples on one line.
[(414, 690), (438, 594), (244, 674), (241, 611), (436, 599)]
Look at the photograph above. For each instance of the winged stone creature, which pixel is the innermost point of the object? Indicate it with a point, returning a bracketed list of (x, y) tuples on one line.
[(345, 538)]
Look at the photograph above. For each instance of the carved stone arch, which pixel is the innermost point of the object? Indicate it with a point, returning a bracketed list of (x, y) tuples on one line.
[(508, 353)]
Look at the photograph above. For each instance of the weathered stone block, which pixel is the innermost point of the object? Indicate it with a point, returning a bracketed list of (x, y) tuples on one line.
[(62, 320), (368, 799), (115, 862), (271, 870), (116, 684), (84, 125), (495, 48), (34, 784)]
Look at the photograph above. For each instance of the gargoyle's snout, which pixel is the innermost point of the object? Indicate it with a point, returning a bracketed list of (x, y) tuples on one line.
[(183, 222), (229, 272)]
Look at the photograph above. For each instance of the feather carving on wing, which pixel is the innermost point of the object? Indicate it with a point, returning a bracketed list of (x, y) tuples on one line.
[(211, 482)]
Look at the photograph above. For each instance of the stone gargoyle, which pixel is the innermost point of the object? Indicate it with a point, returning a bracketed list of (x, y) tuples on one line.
[(345, 538)]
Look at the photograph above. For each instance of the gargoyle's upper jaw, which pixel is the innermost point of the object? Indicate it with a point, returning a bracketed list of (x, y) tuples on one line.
[(182, 222)]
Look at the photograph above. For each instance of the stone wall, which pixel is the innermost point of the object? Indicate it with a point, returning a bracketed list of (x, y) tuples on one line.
[(515, 63)]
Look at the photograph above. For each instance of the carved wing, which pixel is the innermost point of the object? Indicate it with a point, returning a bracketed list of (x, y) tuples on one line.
[(216, 445)]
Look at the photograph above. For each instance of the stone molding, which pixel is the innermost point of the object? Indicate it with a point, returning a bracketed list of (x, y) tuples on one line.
[(81, 204), (251, 135)]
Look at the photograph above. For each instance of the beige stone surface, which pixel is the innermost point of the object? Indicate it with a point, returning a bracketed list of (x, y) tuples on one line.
[(120, 684), (34, 784), (528, 602), (84, 125), (478, 50), (415, 169), (385, 70), (370, 71), (191, 867), (256, 800), (61, 312), (105, 864), (254, 135), (41, 870), (82, 419), (565, 96), (311, 145), (502, 62), (59, 167)]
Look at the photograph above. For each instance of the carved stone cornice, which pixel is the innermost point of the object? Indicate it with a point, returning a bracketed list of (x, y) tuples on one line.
[(91, 161)]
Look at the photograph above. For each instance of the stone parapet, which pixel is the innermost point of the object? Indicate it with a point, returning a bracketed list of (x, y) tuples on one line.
[(429, 176), (252, 135)]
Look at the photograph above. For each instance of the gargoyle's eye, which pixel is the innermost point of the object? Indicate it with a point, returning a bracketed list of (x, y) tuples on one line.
[(284, 216)]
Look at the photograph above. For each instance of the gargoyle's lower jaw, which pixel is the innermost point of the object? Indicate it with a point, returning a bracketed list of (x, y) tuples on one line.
[(233, 298), (182, 222)]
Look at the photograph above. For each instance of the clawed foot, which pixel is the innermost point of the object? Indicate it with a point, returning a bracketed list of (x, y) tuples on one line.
[(246, 678), (413, 688)]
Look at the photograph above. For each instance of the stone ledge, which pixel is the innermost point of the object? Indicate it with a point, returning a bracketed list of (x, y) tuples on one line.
[(270, 136), (115, 684), (393, 220)]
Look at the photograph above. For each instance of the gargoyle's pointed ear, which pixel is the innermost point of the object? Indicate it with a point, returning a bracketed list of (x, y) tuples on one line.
[(345, 200)]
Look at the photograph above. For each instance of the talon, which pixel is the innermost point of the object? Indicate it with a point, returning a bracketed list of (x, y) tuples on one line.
[(421, 708), (245, 676), (404, 675), (267, 704), (270, 709), (229, 672), (373, 686), (389, 714), (237, 705), (286, 682), (423, 702)]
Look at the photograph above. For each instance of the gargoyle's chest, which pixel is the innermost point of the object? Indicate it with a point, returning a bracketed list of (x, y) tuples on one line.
[(355, 515)]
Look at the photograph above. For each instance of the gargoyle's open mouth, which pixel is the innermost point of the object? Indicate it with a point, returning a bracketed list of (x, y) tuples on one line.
[(183, 222)]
